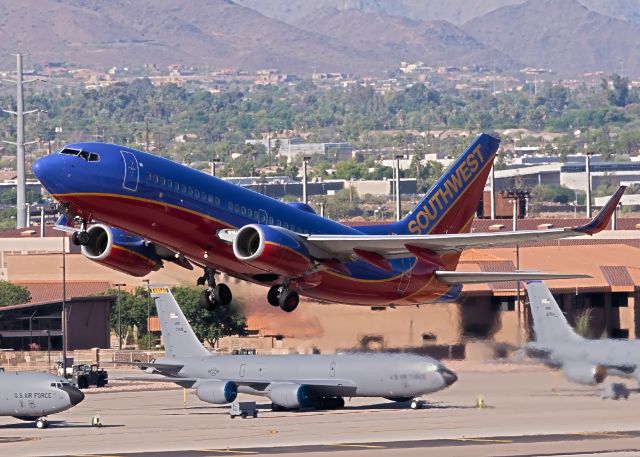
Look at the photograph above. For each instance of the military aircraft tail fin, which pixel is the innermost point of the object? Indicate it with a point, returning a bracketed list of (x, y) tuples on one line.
[(179, 338), (549, 323)]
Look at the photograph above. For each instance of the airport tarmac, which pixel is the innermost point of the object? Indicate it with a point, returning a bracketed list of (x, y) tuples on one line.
[(530, 412)]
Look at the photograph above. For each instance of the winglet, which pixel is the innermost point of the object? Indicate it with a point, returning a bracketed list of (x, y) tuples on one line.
[(601, 220)]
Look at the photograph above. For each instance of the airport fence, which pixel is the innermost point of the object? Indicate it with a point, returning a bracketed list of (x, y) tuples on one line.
[(48, 360)]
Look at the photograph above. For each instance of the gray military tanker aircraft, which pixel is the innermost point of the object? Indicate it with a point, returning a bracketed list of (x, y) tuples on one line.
[(582, 360), (290, 381), (31, 396)]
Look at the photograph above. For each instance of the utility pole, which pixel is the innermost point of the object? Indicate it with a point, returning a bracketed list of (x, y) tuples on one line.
[(397, 167), (119, 285), (19, 113), (587, 162), (305, 198), (519, 196), (146, 281), (492, 197), (64, 306)]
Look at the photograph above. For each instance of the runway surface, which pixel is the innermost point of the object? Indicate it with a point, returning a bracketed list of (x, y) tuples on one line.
[(530, 411)]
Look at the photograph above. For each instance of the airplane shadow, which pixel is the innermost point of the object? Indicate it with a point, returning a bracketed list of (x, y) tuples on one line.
[(28, 425), (224, 409)]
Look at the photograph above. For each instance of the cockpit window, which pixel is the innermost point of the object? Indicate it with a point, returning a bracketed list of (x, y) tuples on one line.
[(88, 156)]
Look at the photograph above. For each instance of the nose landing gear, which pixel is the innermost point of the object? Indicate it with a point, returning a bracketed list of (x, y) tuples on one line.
[(214, 294)]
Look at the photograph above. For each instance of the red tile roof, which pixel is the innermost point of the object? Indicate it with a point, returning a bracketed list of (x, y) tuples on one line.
[(616, 275), (44, 291)]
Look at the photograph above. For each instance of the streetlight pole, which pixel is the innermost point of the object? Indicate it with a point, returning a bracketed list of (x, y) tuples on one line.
[(305, 159), (214, 160), (119, 285), (146, 281), (397, 164)]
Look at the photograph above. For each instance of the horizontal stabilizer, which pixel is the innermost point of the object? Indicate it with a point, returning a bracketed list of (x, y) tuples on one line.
[(165, 368), (472, 277), (187, 383)]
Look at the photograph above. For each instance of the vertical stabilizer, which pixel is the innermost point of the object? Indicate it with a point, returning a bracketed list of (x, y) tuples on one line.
[(450, 205), (549, 323), (177, 334)]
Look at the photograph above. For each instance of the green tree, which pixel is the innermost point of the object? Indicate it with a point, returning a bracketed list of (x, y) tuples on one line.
[(12, 294), (210, 326), (618, 95)]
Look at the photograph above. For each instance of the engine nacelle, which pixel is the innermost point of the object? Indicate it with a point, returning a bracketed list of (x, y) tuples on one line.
[(291, 396), (583, 373), (272, 249), (217, 392), (121, 251)]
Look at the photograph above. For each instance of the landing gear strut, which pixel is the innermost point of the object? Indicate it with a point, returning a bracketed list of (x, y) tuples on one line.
[(214, 294), (283, 297)]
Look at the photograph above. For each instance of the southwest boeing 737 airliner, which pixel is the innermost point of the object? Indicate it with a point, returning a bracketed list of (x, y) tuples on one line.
[(132, 211)]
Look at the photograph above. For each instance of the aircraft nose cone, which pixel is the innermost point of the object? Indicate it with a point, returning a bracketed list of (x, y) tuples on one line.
[(448, 376), (49, 169), (75, 394)]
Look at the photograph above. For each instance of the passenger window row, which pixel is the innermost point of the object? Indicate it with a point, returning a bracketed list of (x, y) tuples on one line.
[(236, 208), (182, 188)]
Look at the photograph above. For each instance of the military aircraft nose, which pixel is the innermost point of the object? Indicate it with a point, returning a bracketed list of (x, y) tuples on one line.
[(75, 394), (448, 376)]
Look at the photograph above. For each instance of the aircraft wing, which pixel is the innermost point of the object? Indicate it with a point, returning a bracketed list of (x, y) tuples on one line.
[(323, 387), (472, 277), (182, 382), (168, 369), (388, 246)]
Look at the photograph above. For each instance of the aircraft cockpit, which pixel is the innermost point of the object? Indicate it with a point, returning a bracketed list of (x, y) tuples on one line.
[(87, 156), (61, 384)]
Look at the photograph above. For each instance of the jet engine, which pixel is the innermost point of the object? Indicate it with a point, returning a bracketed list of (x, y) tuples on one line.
[(583, 373), (121, 251), (217, 392), (272, 249), (290, 396)]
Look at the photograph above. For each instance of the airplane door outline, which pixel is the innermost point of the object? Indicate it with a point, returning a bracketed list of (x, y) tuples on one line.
[(263, 217), (243, 369), (131, 171), (332, 370)]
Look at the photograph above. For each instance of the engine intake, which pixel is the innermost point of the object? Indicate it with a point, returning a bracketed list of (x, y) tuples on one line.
[(583, 373), (291, 396), (272, 249), (217, 392), (120, 251)]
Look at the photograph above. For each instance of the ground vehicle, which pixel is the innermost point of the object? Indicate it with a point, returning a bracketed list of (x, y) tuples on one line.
[(615, 391), (84, 375), (243, 409)]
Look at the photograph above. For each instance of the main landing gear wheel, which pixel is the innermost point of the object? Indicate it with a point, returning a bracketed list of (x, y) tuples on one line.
[(416, 403), (222, 294), (288, 300), (206, 300), (42, 423), (273, 295), (215, 294), (80, 238)]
